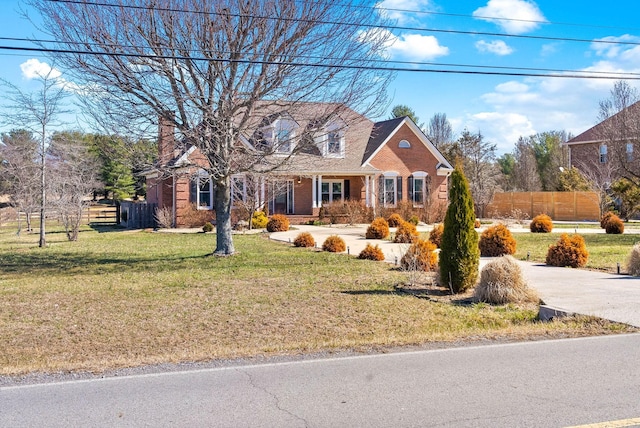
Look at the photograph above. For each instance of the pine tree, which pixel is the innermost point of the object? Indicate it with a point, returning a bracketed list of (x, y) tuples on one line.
[(459, 253)]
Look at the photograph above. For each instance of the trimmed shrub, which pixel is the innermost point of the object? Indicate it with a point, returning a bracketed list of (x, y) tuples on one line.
[(304, 239), (334, 244), (208, 227), (435, 235), (460, 255), (414, 220), (259, 220), (497, 241), (371, 252), (501, 282), (568, 251), (605, 218), (613, 225), (406, 233), (394, 220), (378, 229), (633, 262), (278, 223), (421, 255), (541, 224)]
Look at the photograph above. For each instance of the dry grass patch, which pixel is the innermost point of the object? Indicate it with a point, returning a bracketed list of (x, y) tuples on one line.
[(121, 299)]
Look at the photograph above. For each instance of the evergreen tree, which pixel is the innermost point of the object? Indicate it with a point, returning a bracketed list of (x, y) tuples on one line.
[(459, 252)]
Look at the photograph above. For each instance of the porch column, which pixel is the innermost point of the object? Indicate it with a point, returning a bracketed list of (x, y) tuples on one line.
[(367, 199), (262, 197), (314, 192), (319, 189), (373, 192)]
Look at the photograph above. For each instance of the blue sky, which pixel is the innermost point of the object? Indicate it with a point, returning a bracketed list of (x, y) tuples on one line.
[(501, 107)]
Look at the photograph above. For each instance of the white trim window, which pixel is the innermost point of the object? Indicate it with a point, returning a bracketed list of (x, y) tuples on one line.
[(331, 142), (629, 152), (332, 191), (204, 191), (603, 153), (278, 136), (418, 188), (389, 189)]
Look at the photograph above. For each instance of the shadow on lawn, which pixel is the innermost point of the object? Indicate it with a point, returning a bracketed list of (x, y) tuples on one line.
[(75, 263)]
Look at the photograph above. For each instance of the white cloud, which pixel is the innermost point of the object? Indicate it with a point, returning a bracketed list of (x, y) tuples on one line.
[(497, 47), (502, 129), (398, 9), (34, 69), (517, 16), (417, 47)]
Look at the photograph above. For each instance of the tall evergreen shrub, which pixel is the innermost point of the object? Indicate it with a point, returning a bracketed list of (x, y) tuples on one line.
[(459, 253)]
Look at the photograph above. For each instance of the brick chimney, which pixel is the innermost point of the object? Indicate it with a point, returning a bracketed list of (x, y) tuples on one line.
[(166, 138)]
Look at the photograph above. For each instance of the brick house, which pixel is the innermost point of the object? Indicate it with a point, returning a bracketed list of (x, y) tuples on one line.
[(610, 149), (379, 164)]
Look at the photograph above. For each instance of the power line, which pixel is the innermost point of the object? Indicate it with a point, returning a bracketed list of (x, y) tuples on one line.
[(395, 27), (560, 74), (317, 58)]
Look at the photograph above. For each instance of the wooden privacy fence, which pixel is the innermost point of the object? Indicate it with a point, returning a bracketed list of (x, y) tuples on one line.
[(566, 206), (135, 215)]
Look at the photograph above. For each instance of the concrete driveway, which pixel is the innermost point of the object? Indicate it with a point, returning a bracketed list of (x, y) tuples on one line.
[(565, 290)]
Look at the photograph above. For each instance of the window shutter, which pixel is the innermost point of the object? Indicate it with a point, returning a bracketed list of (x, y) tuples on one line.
[(347, 190), (399, 189), (193, 191), (410, 189)]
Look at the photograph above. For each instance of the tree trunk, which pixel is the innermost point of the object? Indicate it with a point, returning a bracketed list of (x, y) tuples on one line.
[(43, 190), (224, 240)]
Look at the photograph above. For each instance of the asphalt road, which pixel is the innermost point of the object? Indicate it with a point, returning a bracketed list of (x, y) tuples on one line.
[(533, 384)]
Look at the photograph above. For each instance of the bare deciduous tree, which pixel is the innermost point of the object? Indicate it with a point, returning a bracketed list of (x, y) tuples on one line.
[(38, 112), (73, 173), (439, 131), (19, 167), (526, 177), (216, 69)]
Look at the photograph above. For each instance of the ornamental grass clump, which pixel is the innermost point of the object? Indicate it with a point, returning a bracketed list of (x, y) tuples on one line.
[(568, 252), (259, 220), (501, 282), (421, 255), (541, 223), (435, 235), (334, 244), (278, 223), (633, 261), (497, 241), (613, 225), (371, 252), (304, 239), (378, 229), (406, 233), (394, 220)]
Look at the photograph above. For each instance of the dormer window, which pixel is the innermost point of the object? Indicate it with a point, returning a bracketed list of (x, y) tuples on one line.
[(334, 143), (278, 137), (331, 140)]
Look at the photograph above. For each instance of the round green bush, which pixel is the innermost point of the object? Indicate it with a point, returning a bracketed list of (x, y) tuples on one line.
[(208, 227)]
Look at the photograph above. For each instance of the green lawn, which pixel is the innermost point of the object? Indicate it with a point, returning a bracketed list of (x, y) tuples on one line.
[(119, 298)]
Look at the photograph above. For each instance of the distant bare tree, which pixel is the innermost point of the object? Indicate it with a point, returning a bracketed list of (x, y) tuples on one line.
[(216, 69), (73, 176), (601, 175), (20, 170), (620, 130), (526, 177), (439, 131), (38, 112)]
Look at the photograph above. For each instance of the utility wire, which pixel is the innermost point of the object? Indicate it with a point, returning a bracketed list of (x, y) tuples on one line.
[(362, 25), (317, 58), (569, 74)]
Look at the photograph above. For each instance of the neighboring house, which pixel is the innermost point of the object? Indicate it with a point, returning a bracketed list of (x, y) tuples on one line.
[(610, 149), (351, 158)]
